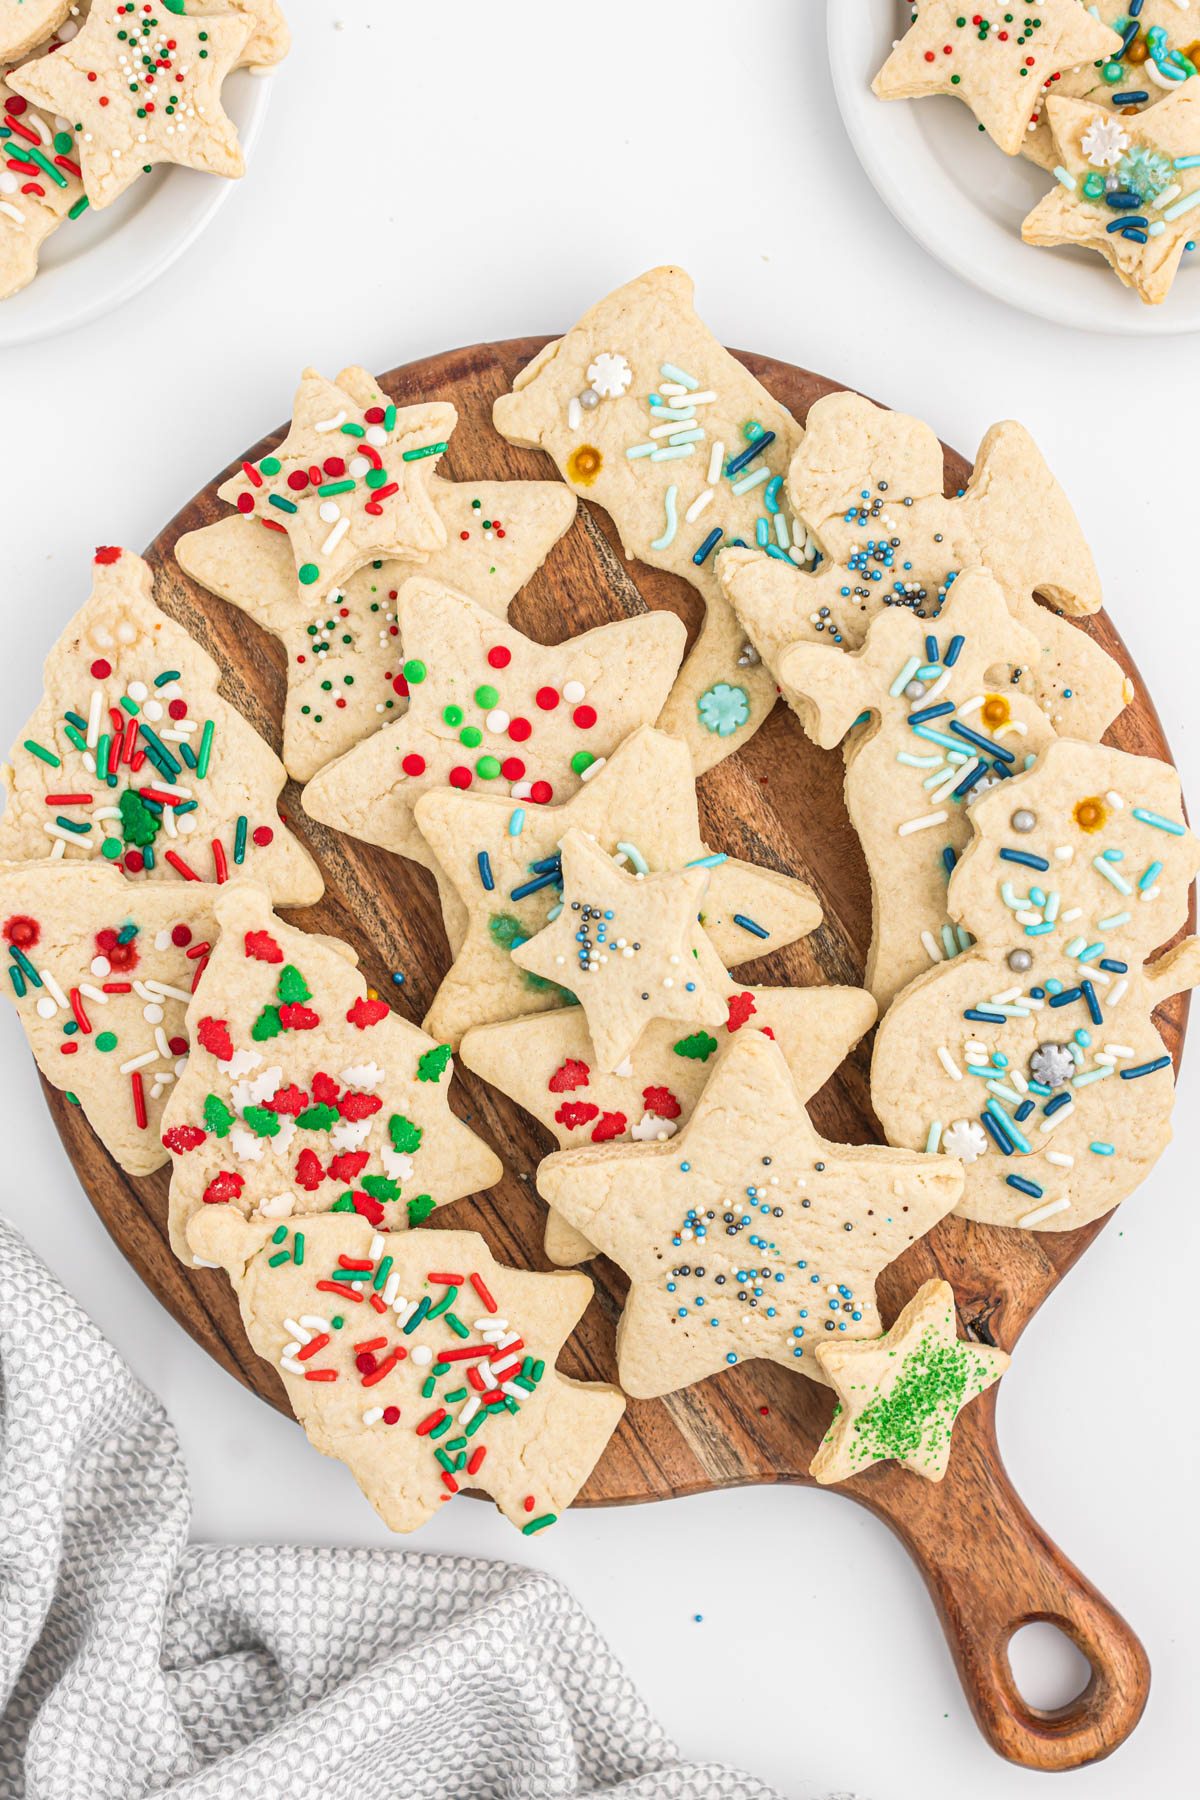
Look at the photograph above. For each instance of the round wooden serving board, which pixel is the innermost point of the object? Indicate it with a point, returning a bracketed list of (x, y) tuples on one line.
[(778, 802)]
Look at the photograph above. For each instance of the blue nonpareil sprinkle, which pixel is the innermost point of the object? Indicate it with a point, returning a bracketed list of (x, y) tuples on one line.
[(985, 1018), (980, 743), (744, 457), (1025, 858), (1132, 97), (485, 870), (1160, 1062), (1025, 1187), (953, 653), (750, 925), (1093, 1006), (708, 546), (1113, 966), (994, 1128), (1123, 225), (931, 712), (1121, 200), (1053, 1106), (1066, 997), (534, 886)]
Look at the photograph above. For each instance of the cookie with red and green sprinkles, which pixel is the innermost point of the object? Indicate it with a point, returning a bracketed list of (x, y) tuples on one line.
[(419, 1361), (27, 25), (349, 483), (899, 1396), (997, 61), (133, 757), (504, 860), (1033, 1057), (491, 711), (746, 1235), (305, 1093), (140, 85), (40, 186), (345, 664), (101, 973), (547, 1064)]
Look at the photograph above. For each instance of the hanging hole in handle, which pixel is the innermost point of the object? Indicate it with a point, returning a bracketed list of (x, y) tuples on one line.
[(1049, 1670)]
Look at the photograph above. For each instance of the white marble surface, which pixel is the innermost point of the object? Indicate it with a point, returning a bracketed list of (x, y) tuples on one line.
[(434, 175)]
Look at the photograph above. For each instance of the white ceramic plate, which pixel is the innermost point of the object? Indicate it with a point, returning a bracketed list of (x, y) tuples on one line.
[(964, 201), (95, 262)]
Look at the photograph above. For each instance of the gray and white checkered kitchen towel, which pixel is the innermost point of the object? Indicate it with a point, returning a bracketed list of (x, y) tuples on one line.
[(133, 1663)]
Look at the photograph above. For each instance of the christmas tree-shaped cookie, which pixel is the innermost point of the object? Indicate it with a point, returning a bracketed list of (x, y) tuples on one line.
[(349, 483), (40, 185), (747, 1235), (1033, 1057), (547, 1064), (345, 660), (869, 485), (645, 413), (133, 755), (305, 1093), (899, 1395), (504, 861), (491, 711), (101, 973), (928, 730), (418, 1361), (142, 86)]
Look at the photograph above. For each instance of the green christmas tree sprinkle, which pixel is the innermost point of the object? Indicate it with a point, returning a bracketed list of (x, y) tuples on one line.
[(698, 1048)]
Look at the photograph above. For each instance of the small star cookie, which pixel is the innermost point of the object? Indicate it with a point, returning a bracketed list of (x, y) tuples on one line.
[(420, 1362), (1128, 187), (142, 89), (996, 61), (747, 1235), (899, 1395), (305, 1093)]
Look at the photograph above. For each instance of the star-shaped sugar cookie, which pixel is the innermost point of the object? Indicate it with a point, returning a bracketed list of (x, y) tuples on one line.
[(547, 1065), (350, 482), (345, 660), (503, 860), (996, 61), (869, 484), (646, 414), (899, 1396), (304, 1092), (40, 186), (630, 945), (747, 1235), (101, 972), (420, 1362), (1128, 187), (133, 755), (140, 86), (491, 711)]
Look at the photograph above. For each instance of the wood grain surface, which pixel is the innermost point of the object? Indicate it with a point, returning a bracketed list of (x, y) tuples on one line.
[(779, 802)]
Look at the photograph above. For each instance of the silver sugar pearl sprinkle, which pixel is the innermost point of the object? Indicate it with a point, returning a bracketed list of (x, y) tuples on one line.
[(1023, 819), (589, 399), (1019, 961), (915, 690)]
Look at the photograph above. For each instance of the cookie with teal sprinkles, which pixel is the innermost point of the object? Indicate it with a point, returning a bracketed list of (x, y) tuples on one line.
[(419, 1361), (1127, 187), (1032, 1057), (505, 862), (899, 1396), (133, 756), (747, 1235), (997, 61), (101, 973), (648, 416), (138, 88), (1160, 48), (305, 1093)]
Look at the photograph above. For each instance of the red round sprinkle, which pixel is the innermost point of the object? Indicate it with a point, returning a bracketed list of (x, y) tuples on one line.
[(245, 503), (101, 669), (498, 656), (178, 709), (413, 764), (391, 1415), (519, 729), (178, 1046), (263, 835), (547, 698), (22, 931), (297, 481), (135, 862), (333, 465), (512, 768), (365, 1363), (460, 777), (374, 415), (541, 792), (401, 687), (15, 104), (929, 56), (584, 717), (181, 935), (464, 535)]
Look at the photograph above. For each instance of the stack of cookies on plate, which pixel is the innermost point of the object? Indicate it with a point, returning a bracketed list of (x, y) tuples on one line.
[(1022, 874), (92, 96)]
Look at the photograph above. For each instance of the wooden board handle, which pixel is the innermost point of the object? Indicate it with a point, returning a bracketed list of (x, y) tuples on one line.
[(994, 1571)]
